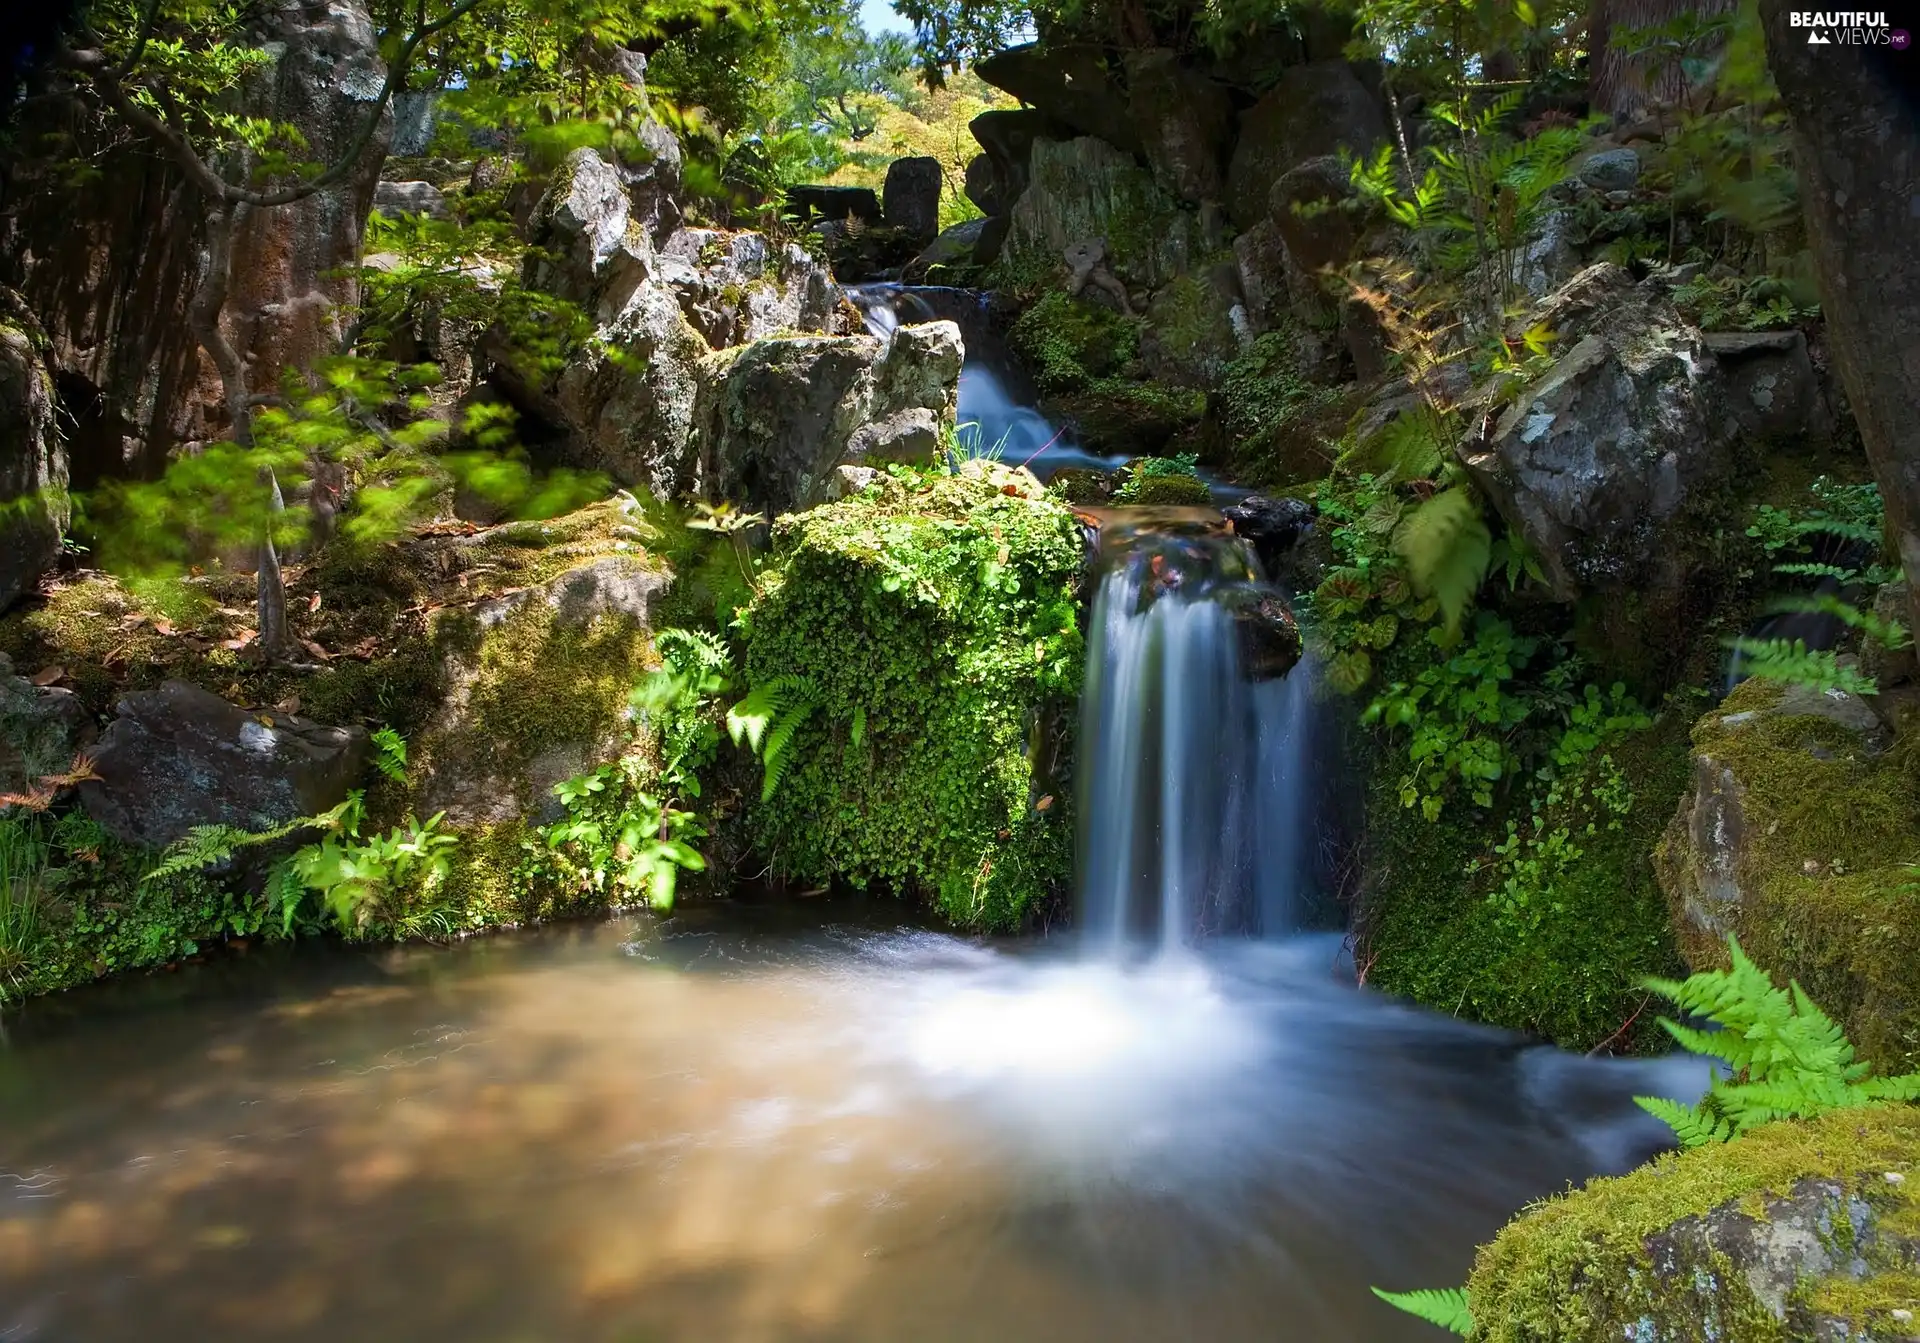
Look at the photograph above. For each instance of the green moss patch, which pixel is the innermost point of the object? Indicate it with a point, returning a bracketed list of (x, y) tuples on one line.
[(1829, 894), (1268, 424), (1599, 1262), (1432, 931), (936, 622), (1085, 360)]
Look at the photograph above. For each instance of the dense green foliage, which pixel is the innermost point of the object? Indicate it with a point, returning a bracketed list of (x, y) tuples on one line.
[(932, 624)]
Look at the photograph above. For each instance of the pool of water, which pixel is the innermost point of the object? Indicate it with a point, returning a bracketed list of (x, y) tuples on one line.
[(769, 1122)]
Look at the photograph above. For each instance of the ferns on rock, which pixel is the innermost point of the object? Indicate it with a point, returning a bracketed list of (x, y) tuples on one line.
[(766, 721), (1787, 1058)]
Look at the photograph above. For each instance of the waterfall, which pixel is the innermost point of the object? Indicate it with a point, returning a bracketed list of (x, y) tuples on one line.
[(1192, 806), (1195, 776)]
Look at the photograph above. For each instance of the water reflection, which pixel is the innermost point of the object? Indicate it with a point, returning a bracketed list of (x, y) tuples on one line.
[(728, 1128)]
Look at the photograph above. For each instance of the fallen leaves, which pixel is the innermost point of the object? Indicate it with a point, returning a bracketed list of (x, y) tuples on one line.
[(46, 676), (316, 650), (289, 705)]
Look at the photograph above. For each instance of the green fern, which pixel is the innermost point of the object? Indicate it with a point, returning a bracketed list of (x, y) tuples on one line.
[(1786, 1058), (204, 846), (390, 754), (766, 721), (1448, 1307), (1791, 661), (1447, 548)]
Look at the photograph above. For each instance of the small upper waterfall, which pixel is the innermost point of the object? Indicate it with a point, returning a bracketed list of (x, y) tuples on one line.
[(1194, 774), (1194, 768)]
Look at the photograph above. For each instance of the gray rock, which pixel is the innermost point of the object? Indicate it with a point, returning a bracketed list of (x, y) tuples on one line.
[(42, 729), (1183, 121), (1889, 667), (773, 418), (910, 199), (1272, 284), (1771, 384), (458, 769), (738, 287), (1086, 189), (654, 176), (851, 480), (1007, 137), (1607, 464), (1547, 259), (180, 756), (580, 225), (921, 369), (1611, 170), (34, 509), (911, 435), (1314, 110), (395, 199)]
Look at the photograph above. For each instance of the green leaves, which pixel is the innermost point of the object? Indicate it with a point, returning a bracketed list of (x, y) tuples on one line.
[(620, 840), (390, 754), (1448, 1308), (1785, 1057), (1447, 548), (767, 719)]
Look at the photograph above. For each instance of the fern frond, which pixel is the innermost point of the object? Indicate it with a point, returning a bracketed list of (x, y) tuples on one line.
[(1447, 548), (858, 731), (776, 757), (390, 754), (1692, 1126), (1447, 1307), (749, 720)]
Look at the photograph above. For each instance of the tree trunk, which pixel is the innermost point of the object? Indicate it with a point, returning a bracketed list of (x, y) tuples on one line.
[(1856, 134), (1617, 82)]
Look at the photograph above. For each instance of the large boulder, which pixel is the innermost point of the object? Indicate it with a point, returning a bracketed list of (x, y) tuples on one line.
[(584, 238), (1314, 208), (1191, 331), (33, 459), (1086, 190), (1184, 122), (776, 417), (180, 756), (1796, 837), (1610, 464), (1799, 1230), (533, 689), (1006, 135), (910, 199), (398, 199), (1315, 109), (1069, 84)]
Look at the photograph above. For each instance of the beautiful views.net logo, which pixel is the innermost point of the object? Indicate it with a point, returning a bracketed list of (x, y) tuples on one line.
[(1858, 28)]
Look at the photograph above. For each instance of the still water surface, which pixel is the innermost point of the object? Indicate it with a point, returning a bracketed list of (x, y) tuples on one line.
[(768, 1122)]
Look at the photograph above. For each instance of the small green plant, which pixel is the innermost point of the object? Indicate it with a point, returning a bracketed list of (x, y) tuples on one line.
[(676, 702), (381, 883), (1786, 1059), (25, 858), (619, 840), (390, 754), (766, 721), (1447, 1307), (206, 846)]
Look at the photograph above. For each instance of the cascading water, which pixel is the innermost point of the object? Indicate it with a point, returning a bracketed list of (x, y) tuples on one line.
[(1191, 811)]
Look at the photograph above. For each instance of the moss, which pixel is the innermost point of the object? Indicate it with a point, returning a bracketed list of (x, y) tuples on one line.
[(1430, 932), (1268, 424), (1597, 1262), (1067, 343), (937, 628), (1119, 418), (1829, 896), (1170, 491)]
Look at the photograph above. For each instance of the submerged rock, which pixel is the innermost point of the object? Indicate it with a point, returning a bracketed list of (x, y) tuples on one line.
[(180, 756)]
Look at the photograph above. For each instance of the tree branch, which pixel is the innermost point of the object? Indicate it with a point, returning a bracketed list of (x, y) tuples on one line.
[(109, 81)]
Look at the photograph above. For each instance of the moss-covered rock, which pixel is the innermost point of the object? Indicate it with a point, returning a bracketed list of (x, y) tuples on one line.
[(1799, 835), (933, 624), (1189, 338), (1800, 1230), (1085, 189), (1433, 927), (1086, 362), (1271, 424)]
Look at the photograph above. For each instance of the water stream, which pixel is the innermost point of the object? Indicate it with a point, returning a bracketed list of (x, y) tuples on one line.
[(808, 1120)]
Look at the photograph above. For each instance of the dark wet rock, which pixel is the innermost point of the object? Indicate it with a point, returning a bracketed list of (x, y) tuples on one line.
[(910, 199), (982, 185), (955, 247), (1771, 385), (1269, 634), (1084, 191), (1271, 526), (1007, 135), (180, 756), (824, 202), (1314, 110), (1068, 84), (1611, 170), (1183, 121), (1314, 207)]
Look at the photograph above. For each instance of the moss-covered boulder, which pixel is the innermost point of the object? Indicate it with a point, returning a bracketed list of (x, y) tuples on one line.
[(931, 624), (1799, 834), (1085, 189), (1085, 359), (33, 459), (1798, 1231)]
